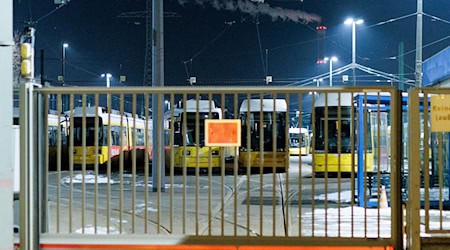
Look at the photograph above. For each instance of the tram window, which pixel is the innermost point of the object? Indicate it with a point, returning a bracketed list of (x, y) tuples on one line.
[(140, 137), (294, 137), (89, 131), (115, 135), (52, 135), (167, 135), (177, 139)]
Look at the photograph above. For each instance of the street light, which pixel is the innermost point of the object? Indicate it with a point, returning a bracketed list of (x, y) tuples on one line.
[(108, 77), (108, 83), (65, 45), (353, 22), (332, 59), (65, 98), (318, 81)]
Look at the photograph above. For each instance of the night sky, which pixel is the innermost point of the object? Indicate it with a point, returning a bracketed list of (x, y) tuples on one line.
[(226, 54)]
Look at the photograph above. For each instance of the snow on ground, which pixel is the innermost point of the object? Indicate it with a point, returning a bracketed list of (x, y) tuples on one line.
[(140, 208), (100, 230), (345, 197), (89, 178)]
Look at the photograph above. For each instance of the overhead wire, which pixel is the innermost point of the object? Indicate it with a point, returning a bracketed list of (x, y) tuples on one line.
[(228, 25), (48, 14), (437, 18), (427, 45), (30, 10), (389, 21), (260, 46)]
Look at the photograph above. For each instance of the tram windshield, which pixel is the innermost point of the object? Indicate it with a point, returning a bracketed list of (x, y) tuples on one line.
[(332, 124), (298, 140), (90, 132), (268, 125), (191, 121)]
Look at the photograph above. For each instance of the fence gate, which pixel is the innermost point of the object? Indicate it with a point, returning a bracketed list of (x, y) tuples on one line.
[(103, 167), (429, 173)]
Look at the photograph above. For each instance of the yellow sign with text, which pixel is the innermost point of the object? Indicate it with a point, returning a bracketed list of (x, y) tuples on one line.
[(223, 133), (440, 113)]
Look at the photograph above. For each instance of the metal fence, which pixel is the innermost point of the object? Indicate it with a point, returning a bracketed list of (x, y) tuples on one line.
[(428, 165), (115, 166)]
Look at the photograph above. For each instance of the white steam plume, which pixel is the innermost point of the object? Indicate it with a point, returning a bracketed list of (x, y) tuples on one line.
[(258, 8)]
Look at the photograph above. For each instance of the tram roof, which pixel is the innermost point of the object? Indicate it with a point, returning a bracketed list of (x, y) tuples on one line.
[(298, 130), (267, 105)]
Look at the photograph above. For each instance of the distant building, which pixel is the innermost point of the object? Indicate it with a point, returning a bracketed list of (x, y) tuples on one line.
[(436, 70)]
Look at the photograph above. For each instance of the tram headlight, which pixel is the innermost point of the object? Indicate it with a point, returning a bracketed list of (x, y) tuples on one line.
[(215, 152), (187, 152)]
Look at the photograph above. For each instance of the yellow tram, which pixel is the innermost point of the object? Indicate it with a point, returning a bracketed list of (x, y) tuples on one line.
[(263, 140)]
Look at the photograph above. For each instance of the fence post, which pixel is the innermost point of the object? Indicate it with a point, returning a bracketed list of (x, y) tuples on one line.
[(40, 155), (413, 203), (396, 169), (29, 205)]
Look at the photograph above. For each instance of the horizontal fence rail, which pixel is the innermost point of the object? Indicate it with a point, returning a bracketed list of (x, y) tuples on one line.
[(313, 164)]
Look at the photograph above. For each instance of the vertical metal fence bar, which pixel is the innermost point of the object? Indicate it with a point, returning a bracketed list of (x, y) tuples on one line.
[(300, 184), (365, 137), (83, 167), (248, 162), (159, 164), (45, 161), (396, 168), (197, 161), (441, 176), (209, 170), (261, 166), (134, 131), (40, 156), (222, 154), (414, 171), (71, 149), (426, 167), (123, 135), (274, 166), (96, 142), (378, 162), (352, 171), (235, 169), (172, 158), (286, 163), (313, 176), (148, 149), (184, 129), (327, 136), (339, 145), (108, 173), (58, 158)]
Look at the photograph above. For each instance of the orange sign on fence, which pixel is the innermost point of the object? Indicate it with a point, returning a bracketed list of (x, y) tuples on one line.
[(223, 133)]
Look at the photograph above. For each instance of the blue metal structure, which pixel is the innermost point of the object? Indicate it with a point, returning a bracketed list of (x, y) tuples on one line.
[(437, 68)]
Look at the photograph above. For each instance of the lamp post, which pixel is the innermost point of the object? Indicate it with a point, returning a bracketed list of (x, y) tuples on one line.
[(108, 77), (318, 81), (331, 60), (108, 84), (63, 69), (65, 98), (353, 22)]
